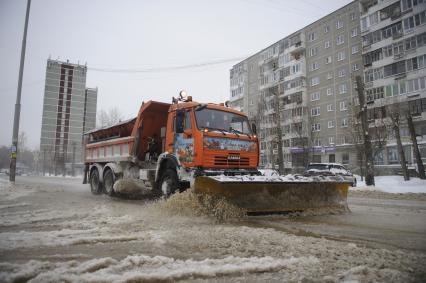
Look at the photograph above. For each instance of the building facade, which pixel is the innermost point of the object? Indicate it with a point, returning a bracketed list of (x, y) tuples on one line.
[(69, 110), (394, 58), (307, 80), (306, 77)]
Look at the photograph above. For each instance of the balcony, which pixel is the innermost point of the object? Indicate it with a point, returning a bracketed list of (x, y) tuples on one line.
[(297, 48)]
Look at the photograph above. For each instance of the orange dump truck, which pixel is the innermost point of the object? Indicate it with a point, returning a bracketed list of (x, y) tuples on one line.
[(171, 147)]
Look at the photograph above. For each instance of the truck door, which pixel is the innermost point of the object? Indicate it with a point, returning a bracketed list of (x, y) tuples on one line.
[(184, 140)]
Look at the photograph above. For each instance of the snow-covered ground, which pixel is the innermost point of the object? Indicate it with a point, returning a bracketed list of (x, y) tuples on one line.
[(394, 184), (52, 229)]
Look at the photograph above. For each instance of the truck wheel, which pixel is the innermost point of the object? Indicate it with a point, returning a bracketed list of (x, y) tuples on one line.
[(109, 182), (95, 184), (168, 183)]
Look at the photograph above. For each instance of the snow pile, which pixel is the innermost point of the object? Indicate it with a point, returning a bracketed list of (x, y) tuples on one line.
[(277, 178), (366, 274), (268, 172), (63, 237), (189, 203), (393, 184), (142, 268), (10, 191)]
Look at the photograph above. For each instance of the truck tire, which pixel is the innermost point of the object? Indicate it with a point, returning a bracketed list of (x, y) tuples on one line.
[(168, 183), (109, 182), (95, 184)]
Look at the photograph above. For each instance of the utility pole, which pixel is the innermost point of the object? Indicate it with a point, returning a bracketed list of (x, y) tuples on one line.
[(369, 176), (14, 148)]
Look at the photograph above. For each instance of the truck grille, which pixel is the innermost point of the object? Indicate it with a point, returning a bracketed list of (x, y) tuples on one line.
[(221, 160)]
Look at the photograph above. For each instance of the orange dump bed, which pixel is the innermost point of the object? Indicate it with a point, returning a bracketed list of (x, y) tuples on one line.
[(128, 140)]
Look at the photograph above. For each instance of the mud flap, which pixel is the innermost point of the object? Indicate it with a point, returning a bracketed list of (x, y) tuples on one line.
[(264, 197)]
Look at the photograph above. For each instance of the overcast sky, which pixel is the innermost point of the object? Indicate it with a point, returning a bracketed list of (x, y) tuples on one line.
[(138, 35)]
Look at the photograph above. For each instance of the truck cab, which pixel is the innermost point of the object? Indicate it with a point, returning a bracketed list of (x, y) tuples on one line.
[(207, 139)]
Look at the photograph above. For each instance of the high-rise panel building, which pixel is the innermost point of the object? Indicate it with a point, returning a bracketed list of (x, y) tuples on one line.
[(394, 57), (309, 77), (309, 72), (69, 110)]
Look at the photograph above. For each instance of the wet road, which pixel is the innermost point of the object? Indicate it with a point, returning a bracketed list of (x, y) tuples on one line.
[(58, 220)]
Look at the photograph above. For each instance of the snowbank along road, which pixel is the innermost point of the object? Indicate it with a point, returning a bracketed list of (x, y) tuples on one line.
[(54, 229)]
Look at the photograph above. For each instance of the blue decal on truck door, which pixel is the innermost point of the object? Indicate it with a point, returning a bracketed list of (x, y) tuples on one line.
[(184, 148)]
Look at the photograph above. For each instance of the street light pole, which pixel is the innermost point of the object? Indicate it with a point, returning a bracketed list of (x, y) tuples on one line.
[(14, 148)]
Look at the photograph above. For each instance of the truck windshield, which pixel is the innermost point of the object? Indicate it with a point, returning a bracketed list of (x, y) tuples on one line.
[(222, 121)]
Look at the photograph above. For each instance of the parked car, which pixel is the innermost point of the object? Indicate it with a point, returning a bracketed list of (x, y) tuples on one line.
[(330, 169)]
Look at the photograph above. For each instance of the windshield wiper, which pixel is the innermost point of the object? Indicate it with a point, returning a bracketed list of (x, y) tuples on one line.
[(216, 129), (238, 132)]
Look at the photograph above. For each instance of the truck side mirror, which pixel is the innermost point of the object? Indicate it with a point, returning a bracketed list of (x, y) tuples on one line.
[(253, 128), (180, 116)]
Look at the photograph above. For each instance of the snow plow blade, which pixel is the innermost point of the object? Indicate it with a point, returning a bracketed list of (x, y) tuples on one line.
[(276, 196)]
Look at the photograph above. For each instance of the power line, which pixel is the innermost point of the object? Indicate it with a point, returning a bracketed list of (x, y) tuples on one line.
[(166, 69), (145, 70)]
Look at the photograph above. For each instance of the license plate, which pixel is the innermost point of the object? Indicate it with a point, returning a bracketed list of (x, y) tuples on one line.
[(233, 157)]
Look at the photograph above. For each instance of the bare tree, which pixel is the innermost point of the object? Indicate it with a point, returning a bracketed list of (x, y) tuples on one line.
[(278, 110), (420, 167), (22, 142), (369, 176), (354, 131), (109, 117), (396, 114)]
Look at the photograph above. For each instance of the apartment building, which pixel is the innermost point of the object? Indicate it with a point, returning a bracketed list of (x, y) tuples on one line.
[(306, 81), (69, 109), (394, 58)]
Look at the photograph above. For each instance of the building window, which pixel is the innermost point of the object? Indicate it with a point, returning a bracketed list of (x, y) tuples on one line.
[(353, 16), (326, 29), (408, 4), (345, 156), (327, 44), (343, 88), (317, 158), (329, 91), (341, 55), (355, 67), (315, 111), (315, 96), (330, 107), (339, 24), (312, 36), (315, 81), (342, 73), (375, 93), (373, 18), (343, 107), (316, 127), (354, 32), (417, 106), (331, 141), (313, 51), (340, 39), (314, 66), (329, 75), (331, 124), (416, 20), (355, 49), (373, 74)]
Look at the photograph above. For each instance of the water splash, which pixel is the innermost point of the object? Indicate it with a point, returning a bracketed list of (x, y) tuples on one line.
[(189, 203)]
